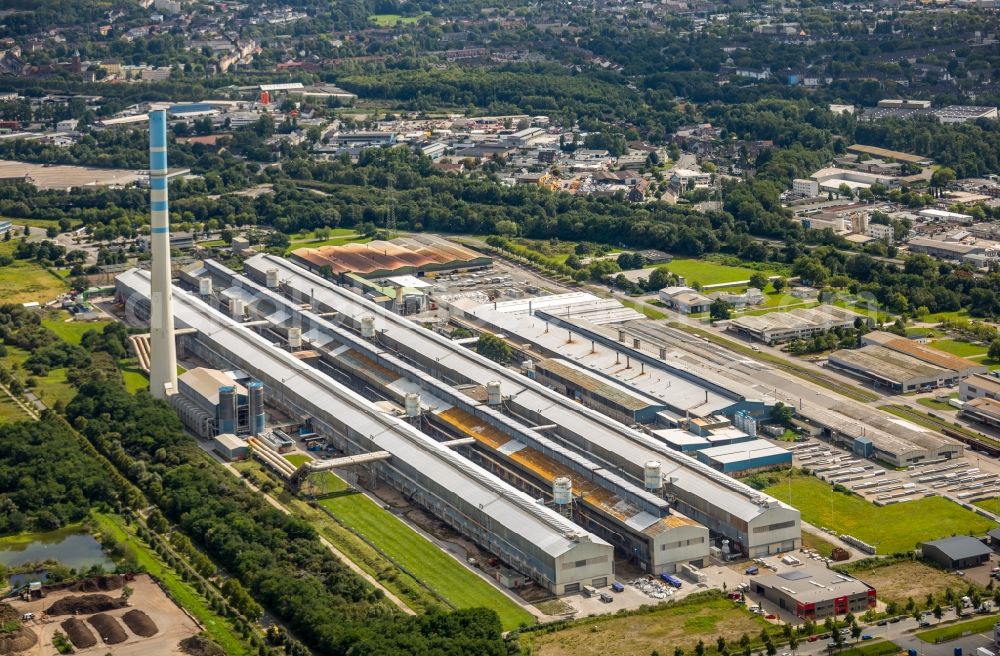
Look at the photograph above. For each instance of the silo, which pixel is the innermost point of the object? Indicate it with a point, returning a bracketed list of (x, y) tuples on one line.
[(255, 392), (294, 337), (562, 491), (272, 278), (412, 401), (227, 409), (368, 326), (653, 475), (205, 286), (493, 396), (236, 309)]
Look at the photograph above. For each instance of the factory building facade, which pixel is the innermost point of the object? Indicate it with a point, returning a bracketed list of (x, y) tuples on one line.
[(815, 593)]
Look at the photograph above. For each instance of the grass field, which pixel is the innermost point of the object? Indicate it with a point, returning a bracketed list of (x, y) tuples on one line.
[(960, 348), (183, 593), (679, 624), (938, 317), (436, 569), (70, 331), (898, 527), (940, 406), (49, 388), (10, 411), (388, 20), (651, 313), (23, 282), (813, 541), (135, 378), (872, 648), (990, 505), (959, 629), (308, 242), (709, 273), (900, 581), (297, 458)]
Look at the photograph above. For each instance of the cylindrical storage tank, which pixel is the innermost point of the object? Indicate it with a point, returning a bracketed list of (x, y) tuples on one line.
[(255, 392), (562, 490), (294, 337), (368, 326), (227, 409), (236, 309), (272, 278), (751, 427), (653, 475), (493, 392), (412, 401), (205, 286)]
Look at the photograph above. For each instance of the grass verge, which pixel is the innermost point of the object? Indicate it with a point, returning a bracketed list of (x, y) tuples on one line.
[(958, 630), (891, 529)]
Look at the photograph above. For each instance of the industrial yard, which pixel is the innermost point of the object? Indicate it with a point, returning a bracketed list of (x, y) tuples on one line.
[(101, 623), (60, 176)]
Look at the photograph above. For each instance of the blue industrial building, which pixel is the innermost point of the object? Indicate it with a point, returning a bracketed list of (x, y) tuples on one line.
[(745, 457)]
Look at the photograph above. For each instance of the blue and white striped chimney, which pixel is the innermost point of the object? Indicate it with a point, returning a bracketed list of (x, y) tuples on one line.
[(163, 350)]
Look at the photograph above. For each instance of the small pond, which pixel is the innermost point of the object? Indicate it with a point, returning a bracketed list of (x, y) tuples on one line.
[(72, 546)]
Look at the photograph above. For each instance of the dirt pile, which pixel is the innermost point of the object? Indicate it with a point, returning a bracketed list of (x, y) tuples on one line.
[(84, 605), (139, 623), (21, 638), (201, 646), (101, 583), (108, 628), (78, 633)]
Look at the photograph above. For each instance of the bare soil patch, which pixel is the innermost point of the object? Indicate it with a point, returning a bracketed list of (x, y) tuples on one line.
[(900, 581), (19, 639), (108, 628), (78, 633), (99, 584), (139, 623), (84, 605), (199, 645)]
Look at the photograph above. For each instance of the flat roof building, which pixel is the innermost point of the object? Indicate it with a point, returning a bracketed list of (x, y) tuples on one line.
[(884, 367), (957, 552), (815, 592), (979, 385), (745, 457), (775, 327), (606, 395), (982, 409)]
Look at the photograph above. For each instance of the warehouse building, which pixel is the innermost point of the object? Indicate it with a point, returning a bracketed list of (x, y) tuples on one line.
[(605, 395), (815, 592), (800, 323), (980, 385), (416, 255), (982, 409), (746, 457), (958, 552), (532, 538), (751, 520), (961, 366), (896, 371), (230, 447)]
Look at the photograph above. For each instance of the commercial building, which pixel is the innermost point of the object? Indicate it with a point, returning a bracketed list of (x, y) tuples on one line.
[(897, 371), (528, 536), (961, 366), (417, 255), (751, 520), (685, 300), (980, 385), (745, 457), (605, 395), (958, 552), (885, 153), (776, 327), (815, 592), (804, 187)]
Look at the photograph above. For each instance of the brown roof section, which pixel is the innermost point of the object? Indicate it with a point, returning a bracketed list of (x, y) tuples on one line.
[(926, 353), (377, 256)]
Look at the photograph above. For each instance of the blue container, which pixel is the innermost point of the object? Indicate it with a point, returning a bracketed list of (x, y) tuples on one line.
[(958, 651), (911, 652)]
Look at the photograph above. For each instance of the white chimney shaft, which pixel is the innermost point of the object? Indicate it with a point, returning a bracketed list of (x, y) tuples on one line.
[(163, 361)]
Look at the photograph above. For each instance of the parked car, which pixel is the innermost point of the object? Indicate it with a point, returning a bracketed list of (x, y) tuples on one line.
[(882, 622), (606, 598), (866, 637), (813, 638), (617, 587)]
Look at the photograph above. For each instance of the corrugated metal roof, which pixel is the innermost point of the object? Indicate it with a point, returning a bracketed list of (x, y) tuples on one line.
[(606, 389)]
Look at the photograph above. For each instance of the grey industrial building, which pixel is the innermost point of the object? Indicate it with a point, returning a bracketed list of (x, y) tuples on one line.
[(958, 552), (753, 521), (815, 592), (896, 371), (209, 402), (527, 536), (605, 395)]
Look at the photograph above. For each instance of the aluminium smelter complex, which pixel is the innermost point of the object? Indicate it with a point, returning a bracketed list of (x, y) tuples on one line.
[(558, 554)]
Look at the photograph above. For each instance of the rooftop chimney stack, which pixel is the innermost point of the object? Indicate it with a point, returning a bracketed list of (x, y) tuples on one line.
[(163, 364)]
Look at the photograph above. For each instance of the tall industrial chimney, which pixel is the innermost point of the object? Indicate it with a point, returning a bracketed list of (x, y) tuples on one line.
[(163, 360)]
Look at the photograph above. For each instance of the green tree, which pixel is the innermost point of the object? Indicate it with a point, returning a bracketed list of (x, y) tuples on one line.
[(779, 284), (938, 612), (994, 352), (494, 348), (758, 280), (720, 310)]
